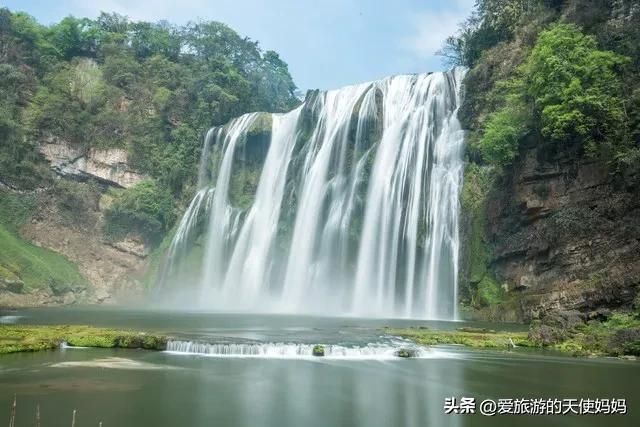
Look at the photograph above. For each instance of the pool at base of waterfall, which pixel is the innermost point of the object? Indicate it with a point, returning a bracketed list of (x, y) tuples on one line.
[(247, 370)]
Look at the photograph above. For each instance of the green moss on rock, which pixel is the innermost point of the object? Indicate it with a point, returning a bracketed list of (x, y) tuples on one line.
[(406, 353), (481, 288), (619, 335), (475, 339), (489, 292), (34, 338), (318, 350)]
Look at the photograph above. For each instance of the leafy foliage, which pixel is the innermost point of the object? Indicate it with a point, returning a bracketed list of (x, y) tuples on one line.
[(144, 208), (151, 88), (563, 72), (576, 88), (567, 90), (503, 132)]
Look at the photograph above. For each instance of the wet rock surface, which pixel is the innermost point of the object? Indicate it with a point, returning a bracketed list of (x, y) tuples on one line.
[(566, 236)]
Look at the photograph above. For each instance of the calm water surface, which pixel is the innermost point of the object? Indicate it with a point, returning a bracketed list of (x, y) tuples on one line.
[(140, 388)]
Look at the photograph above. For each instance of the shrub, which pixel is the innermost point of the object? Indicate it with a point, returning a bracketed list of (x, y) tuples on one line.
[(502, 134), (576, 88), (144, 209)]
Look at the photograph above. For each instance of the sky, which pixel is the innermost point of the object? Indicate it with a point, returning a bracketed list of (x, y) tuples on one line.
[(327, 43)]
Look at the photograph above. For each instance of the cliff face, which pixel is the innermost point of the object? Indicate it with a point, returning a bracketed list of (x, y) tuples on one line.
[(112, 269), (67, 218), (565, 233), (106, 166)]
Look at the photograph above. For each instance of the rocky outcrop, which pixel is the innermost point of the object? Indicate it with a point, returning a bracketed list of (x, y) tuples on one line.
[(108, 166), (113, 269), (565, 233), (10, 282), (68, 219)]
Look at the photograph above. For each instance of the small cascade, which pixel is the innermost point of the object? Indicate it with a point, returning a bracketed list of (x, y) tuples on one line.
[(375, 351)]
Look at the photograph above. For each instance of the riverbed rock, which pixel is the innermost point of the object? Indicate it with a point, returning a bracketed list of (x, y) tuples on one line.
[(406, 353)]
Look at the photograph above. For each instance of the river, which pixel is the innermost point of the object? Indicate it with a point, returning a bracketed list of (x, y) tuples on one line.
[(289, 388)]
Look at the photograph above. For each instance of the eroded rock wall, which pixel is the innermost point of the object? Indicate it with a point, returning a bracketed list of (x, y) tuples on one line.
[(113, 270), (565, 233), (108, 166)]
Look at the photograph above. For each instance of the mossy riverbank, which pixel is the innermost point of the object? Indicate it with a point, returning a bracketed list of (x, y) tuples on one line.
[(618, 335), (15, 339), (469, 337)]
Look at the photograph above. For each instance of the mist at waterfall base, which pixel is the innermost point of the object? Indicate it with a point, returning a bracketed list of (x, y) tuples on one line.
[(345, 206)]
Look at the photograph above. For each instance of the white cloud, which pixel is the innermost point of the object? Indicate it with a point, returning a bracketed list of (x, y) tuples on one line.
[(430, 29)]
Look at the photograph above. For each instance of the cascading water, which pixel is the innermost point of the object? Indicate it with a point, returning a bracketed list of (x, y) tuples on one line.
[(376, 351), (346, 205)]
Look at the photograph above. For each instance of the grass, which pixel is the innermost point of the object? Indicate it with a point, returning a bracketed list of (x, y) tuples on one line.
[(470, 337), (15, 339), (619, 335), (20, 260), (34, 266), (15, 209)]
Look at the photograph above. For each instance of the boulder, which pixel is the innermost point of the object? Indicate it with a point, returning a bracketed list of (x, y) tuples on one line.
[(406, 352)]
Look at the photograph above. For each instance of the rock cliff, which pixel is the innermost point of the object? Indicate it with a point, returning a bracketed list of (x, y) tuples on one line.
[(67, 217), (565, 234), (108, 166)]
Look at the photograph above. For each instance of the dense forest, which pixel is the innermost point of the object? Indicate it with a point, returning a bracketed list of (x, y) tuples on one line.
[(150, 88)]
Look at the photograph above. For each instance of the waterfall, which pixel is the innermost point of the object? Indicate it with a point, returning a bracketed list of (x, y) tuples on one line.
[(347, 205), (251, 255)]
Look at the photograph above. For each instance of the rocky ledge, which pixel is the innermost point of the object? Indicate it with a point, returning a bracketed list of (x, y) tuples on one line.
[(107, 166)]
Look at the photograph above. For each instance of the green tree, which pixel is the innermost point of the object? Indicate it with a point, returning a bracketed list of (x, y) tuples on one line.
[(152, 88), (577, 90), (569, 91), (155, 39), (503, 132)]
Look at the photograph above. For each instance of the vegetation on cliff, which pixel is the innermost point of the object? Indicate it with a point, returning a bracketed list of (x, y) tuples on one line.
[(556, 76), (567, 90), (564, 70), (24, 266), (145, 208), (483, 290), (150, 88)]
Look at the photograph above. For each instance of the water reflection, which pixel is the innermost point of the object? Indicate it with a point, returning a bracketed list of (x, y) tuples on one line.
[(348, 393)]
